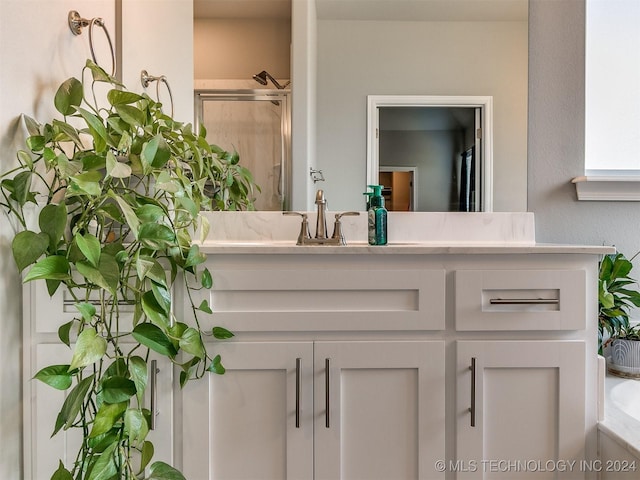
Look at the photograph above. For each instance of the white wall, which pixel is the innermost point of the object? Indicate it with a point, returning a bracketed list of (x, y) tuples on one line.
[(360, 58), (37, 53)]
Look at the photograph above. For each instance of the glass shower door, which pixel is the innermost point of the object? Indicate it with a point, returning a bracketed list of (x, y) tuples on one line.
[(256, 124)]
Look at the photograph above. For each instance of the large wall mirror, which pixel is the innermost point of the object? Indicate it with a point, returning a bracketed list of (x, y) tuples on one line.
[(361, 48)]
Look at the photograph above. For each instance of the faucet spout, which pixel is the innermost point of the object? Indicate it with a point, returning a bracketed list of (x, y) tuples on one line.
[(321, 221)]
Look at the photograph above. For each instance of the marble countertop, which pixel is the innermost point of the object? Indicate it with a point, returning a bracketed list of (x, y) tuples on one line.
[(416, 248), (409, 233)]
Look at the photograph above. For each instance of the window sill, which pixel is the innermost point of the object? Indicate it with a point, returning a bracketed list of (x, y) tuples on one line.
[(608, 188)]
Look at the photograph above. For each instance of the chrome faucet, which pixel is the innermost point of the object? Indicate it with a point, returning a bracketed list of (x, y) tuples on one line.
[(321, 221), (304, 237)]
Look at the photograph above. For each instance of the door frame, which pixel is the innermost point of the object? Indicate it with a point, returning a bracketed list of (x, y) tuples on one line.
[(484, 103)]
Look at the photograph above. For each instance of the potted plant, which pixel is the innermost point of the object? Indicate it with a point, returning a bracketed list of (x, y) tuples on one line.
[(106, 201), (617, 297)]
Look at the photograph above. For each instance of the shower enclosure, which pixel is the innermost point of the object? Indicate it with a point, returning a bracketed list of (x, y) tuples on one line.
[(256, 124)]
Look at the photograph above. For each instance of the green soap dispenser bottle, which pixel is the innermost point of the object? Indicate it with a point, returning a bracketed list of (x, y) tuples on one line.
[(377, 217)]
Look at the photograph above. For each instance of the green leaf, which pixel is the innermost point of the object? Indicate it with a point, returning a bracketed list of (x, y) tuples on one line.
[(33, 127), (36, 143), (55, 267), (105, 467), (106, 417), (216, 366), (89, 348), (53, 221), (69, 131), (156, 152), (221, 333), (115, 168), (152, 337), (135, 426), (154, 311), (146, 454), (132, 115), (195, 257), (27, 247), (97, 130), (72, 404), (21, 185), (87, 183), (148, 267), (162, 471), (117, 389), (93, 275), (206, 280), (204, 307), (68, 96), (162, 296), (89, 245), (139, 375), (87, 310), (61, 473), (98, 74), (191, 342), (127, 211), (56, 376), (64, 332), (122, 97), (156, 236), (150, 213)]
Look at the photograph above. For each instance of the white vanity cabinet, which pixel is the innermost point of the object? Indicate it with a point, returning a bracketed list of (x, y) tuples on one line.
[(324, 410), (385, 340), (43, 315)]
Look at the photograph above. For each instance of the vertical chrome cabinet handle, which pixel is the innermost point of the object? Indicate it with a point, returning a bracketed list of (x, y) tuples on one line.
[(327, 415), (472, 409), (153, 386), (298, 373)]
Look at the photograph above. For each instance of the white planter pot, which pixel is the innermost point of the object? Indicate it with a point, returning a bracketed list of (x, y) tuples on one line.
[(625, 358)]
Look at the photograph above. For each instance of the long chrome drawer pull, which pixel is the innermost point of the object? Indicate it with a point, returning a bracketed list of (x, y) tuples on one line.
[(472, 409), (153, 386), (524, 301), (298, 371), (327, 415)]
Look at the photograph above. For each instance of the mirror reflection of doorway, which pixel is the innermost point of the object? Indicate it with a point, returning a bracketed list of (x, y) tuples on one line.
[(447, 139), (400, 193)]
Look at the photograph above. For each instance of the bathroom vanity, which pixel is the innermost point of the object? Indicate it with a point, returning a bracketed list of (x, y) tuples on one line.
[(472, 356)]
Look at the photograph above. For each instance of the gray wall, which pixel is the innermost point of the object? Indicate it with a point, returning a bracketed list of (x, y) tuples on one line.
[(360, 58), (556, 135)]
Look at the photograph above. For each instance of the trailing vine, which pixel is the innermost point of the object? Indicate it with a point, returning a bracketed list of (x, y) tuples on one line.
[(107, 201)]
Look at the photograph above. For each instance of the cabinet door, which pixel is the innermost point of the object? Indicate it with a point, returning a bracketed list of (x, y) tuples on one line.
[(379, 410), (255, 421), (520, 408), (43, 452)]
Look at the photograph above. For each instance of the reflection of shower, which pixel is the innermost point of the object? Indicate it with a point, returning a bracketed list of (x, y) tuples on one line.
[(263, 76)]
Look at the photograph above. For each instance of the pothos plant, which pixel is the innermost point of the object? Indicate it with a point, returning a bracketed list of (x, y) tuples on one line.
[(106, 201)]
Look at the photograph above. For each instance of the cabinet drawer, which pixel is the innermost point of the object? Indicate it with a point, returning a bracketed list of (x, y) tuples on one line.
[(520, 299), (328, 300)]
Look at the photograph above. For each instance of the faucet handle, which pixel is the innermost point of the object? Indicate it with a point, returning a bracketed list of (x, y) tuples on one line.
[(337, 227), (346, 214), (304, 227)]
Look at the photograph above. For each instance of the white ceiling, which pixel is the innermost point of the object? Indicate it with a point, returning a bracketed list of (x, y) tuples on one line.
[(422, 10)]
